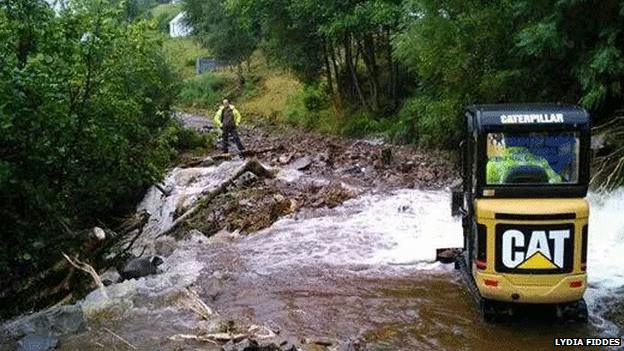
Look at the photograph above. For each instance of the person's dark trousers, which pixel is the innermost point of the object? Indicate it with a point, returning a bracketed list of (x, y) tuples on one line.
[(227, 132)]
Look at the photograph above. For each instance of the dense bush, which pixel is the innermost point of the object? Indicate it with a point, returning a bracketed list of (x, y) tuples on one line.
[(206, 91), (309, 108), (184, 139), (315, 97), (428, 122), (85, 101)]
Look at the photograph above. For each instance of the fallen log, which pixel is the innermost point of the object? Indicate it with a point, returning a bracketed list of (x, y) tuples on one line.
[(162, 190), (252, 166), (59, 279)]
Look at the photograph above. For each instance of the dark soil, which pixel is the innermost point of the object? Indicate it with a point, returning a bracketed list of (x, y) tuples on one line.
[(358, 162)]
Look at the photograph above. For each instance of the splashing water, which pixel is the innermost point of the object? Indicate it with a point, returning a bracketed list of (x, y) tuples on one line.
[(606, 240), (605, 256), (381, 230), (185, 185), (315, 272), (389, 232)]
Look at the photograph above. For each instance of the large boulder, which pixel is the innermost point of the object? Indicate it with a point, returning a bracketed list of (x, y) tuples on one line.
[(243, 345), (33, 342), (301, 163), (140, 267), (55, 322)]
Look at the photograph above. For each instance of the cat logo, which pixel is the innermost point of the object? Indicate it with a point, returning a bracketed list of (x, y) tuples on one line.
[(535, 249)]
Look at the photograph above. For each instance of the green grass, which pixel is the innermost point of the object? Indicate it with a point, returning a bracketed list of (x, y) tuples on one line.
[(182, 53), (206, 91), (271, 95), (166, 10)]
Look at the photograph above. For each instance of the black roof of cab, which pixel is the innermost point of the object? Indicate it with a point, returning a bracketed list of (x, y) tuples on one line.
[(522, 118), (528, 117)]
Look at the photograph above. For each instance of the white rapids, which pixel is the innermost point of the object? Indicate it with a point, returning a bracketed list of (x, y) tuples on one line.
[(402, 228), (389, 232), (390, 235)]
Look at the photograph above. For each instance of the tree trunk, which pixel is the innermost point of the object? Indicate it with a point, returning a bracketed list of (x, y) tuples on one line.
[(206, 196), (353, 70), (239, 74), (393, 71), (337, 75), (330, 82), (368, 53)]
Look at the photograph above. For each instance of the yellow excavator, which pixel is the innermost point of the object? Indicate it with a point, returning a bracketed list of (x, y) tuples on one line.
[(524, 178)]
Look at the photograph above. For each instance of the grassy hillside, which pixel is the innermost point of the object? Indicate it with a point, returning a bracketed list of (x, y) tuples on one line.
[(163, 14), (268, 93), (182, 53)]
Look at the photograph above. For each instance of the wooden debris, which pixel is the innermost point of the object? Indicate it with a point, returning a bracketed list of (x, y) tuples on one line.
[(197, 305), (120, 338), (252, 166), (212, 338), (261, 332), (86, 268)]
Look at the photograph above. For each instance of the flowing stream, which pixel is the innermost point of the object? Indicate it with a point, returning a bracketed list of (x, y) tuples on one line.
[(364, 269)]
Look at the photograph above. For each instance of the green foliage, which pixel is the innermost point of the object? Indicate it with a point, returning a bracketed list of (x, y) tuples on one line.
[(221, 30), (460, 53), (182, 54), (309, 109), (430, 123), (85, 101), (184, 139), (363, 124), (206, 91), (315, 97), (346, 42)]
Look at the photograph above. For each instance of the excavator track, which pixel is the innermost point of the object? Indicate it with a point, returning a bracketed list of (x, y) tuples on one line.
[(499, 311)]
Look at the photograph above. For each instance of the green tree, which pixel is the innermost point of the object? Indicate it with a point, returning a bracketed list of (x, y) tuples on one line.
[(347, 43), (221, 30), (460, 53), (84, 119), (573, 49)]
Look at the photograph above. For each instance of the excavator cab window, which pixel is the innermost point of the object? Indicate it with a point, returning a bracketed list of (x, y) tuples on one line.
[(532, 158)]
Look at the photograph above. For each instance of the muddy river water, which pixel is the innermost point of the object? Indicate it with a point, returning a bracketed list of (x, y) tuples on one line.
[(365, 269), (362, 270)]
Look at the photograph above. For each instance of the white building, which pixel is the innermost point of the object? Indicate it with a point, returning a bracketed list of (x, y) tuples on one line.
[(178, 26)]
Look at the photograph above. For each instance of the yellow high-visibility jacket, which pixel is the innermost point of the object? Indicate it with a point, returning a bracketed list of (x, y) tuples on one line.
[(217, 117)]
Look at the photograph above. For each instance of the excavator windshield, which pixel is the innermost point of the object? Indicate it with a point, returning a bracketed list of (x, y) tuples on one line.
[(532, 158)]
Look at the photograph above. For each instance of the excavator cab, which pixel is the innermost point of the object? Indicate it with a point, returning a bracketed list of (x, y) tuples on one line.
[(524, 178)]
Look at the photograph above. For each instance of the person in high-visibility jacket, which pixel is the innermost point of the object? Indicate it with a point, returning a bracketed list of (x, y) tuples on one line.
[(227, 118)]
